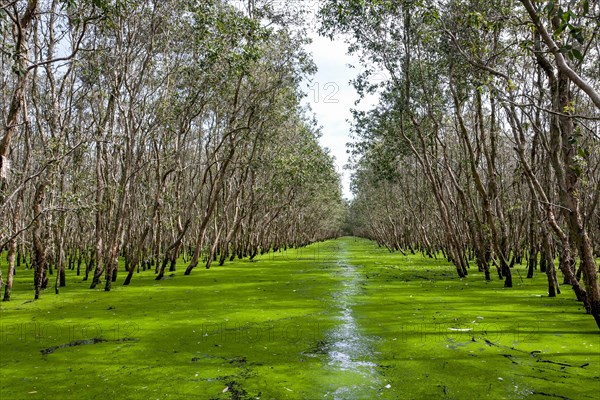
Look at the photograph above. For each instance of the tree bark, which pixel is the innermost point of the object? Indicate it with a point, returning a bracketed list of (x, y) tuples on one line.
[(39, 252)]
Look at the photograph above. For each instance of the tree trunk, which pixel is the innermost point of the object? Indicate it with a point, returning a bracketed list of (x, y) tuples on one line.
[(39, 253)]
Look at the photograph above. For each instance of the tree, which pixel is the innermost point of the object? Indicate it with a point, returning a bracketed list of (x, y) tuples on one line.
[(467, 96)]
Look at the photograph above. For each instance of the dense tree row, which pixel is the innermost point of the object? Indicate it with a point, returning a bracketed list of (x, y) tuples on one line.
[(485, 144), (149, 130)]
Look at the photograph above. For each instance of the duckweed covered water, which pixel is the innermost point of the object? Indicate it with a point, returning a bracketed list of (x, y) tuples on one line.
[(342, 319)]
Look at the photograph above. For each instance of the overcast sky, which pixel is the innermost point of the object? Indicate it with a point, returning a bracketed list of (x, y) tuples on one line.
[(331, 97)]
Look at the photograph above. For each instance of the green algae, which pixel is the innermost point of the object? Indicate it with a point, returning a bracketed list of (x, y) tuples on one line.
[(341, 319)]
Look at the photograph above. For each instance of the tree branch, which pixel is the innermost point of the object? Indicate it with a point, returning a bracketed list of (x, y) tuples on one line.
[(561, 62)]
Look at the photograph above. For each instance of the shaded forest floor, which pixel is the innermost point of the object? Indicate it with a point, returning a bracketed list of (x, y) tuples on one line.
[(342, 319)]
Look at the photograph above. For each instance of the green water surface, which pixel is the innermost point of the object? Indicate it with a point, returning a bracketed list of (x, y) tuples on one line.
[(342, 319)]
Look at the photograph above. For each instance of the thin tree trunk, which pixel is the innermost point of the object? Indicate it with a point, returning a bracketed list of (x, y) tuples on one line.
[(39, 253)]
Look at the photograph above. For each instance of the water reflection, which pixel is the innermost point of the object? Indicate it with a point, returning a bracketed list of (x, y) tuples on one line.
[(349, 350)]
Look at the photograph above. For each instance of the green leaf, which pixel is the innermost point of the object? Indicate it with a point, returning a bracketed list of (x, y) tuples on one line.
[(577, 170), (585, 4), (549, 8), (575, 54), (566, 48), (577, 34)]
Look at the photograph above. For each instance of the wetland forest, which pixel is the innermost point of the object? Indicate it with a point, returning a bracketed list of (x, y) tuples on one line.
[(173, 227)]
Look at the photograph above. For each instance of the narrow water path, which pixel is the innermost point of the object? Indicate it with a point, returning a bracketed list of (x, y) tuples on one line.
[(351, 355)]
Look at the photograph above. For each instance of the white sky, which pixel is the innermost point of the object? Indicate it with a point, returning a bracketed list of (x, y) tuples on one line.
[(331, 97), (330, 94)]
